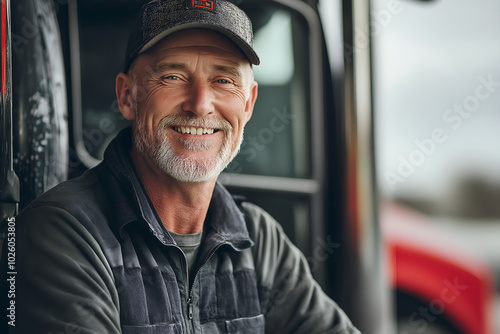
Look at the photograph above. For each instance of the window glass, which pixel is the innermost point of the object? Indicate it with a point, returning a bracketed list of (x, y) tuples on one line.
[(437, 110), (103, 38), (276, 138)]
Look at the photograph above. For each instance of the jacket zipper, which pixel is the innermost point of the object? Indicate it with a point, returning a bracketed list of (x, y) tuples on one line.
[(190, 325), (190, 308), (190, 289), (190, 298)]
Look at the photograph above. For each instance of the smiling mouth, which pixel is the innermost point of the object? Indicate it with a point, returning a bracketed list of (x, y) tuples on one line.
[(194, 130)]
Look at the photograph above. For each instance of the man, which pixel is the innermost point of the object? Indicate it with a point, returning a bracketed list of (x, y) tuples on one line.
[(148, 241)]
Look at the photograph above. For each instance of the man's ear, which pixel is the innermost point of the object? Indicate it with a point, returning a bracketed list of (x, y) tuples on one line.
[(253, 92), (124, 95)]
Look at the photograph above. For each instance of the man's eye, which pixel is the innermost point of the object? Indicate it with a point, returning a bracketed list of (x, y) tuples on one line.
[(222, 81), (172, 77)]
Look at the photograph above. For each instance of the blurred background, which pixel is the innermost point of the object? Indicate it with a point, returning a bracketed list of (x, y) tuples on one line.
[(436, 89)]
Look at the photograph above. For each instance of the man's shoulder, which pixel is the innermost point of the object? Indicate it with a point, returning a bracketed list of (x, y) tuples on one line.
[(261, 226), (256, 214), (76, 196)]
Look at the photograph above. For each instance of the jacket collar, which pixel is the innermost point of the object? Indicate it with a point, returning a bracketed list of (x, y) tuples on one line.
[(226, 223)]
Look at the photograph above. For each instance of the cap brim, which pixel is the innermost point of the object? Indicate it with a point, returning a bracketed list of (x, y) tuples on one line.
[(247, 50)]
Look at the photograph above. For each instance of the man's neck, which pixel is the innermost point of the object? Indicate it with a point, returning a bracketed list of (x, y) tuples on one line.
[(182, 206)]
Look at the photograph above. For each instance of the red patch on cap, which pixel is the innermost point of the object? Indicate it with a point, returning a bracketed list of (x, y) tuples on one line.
[(205, 4)]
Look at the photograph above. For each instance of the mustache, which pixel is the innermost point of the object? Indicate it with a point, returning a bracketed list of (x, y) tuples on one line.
[(213, 122)]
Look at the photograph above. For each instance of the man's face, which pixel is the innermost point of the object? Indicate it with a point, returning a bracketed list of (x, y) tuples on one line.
[(194, 92)]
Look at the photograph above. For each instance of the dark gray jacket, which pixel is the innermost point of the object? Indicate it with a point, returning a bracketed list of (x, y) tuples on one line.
[(94, 257)]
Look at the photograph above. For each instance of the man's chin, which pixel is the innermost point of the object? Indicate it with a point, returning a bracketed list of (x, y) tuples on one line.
[(191, 168), (193, 177), (197, 157)]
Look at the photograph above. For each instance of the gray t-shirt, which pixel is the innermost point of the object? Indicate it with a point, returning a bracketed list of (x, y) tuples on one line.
[(190, 245)]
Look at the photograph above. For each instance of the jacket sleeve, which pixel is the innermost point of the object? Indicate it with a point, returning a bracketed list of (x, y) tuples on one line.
[(292, 301), (63, 282)]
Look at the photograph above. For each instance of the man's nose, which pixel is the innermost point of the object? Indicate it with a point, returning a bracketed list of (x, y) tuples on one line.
[(199, 99)]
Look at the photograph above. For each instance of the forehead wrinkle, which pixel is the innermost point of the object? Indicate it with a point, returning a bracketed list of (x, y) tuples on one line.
[(234, 71), (166, 66), (163, 67), (162, 52)]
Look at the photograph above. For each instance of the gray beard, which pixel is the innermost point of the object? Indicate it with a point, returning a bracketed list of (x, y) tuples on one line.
[(183, 169)]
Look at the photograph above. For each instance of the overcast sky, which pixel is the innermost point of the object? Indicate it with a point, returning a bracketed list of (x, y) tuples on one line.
[(427, 59)]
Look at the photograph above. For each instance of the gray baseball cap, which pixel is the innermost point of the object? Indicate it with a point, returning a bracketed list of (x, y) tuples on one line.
[(160, 18)]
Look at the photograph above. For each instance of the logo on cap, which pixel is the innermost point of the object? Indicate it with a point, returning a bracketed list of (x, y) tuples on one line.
[(203, 4)]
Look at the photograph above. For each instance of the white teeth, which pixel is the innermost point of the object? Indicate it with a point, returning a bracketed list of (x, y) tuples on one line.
[(194, 131)]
